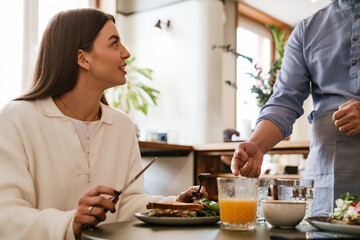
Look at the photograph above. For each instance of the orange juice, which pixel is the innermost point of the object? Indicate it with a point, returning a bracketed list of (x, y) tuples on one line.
[(239, 211)]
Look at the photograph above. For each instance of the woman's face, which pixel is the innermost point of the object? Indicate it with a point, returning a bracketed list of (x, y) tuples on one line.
[(107, 58)]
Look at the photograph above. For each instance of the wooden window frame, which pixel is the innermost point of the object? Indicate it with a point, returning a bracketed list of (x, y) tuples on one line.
[(260, 17)]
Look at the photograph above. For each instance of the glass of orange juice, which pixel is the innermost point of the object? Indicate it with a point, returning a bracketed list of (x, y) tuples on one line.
[(238, 202)]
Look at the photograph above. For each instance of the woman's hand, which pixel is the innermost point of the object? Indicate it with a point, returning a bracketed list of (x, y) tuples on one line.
[(247, 160), (347, 118), (187, 195), (91, 208)]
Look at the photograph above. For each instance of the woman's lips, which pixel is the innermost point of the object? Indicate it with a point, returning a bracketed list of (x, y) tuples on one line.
[(122, 69)]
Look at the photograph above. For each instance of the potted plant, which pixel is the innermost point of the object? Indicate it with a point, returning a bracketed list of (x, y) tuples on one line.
[(264, 83), (135, 95)]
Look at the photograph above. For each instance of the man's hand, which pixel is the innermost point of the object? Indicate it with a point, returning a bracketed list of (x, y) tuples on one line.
[(247, 160), (347, 118)]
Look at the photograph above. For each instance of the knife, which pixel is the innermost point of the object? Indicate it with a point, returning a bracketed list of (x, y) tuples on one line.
[(118, 193)]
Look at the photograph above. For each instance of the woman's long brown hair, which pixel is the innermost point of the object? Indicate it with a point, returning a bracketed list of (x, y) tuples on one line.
[(56, 69)]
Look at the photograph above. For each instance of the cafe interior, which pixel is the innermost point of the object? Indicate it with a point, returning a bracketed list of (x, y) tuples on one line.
[(193, 55), (197, 117)]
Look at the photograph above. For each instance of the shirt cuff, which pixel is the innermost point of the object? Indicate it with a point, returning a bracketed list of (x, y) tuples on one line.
[(69, 235)]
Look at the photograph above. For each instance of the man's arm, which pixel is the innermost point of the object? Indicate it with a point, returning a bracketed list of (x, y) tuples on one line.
[(266, 135), (248, 156)]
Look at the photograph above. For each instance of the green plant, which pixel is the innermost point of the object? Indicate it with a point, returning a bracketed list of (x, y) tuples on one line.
[(264, 82), (135, 95)]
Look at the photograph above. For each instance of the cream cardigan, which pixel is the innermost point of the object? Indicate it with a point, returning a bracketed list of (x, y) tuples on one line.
[(44, 171)]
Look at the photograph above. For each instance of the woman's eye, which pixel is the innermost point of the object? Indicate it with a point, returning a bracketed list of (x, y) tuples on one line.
[(115, 43)]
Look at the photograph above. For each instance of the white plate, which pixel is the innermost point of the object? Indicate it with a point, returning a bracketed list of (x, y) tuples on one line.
[(322, 224), (175, 220)]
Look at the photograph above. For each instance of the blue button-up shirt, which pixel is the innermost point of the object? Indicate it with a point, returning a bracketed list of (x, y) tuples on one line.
[(322, 56)]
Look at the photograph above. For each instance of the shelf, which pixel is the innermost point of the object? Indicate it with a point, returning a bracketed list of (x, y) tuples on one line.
[(268, 176), (160, 149), (299, 147)]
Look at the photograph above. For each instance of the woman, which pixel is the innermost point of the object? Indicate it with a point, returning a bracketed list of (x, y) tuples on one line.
[(63, 150)]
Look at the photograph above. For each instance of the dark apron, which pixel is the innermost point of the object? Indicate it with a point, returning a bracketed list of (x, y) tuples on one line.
[(334, 164)]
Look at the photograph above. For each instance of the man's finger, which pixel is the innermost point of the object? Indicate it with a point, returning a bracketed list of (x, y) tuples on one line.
[(338, 114), (236, 164), (346, 127), (247, 168), (253, 170), (352, 132), (258, 172), (241, 154)]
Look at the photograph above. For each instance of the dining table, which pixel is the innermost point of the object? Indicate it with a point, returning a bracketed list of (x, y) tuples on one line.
[(137, 230)]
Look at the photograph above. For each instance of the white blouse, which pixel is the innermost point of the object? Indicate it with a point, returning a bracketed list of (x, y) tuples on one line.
[(84, 130)]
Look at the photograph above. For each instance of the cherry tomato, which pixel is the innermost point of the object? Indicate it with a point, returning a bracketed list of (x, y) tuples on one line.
[(357, 208)]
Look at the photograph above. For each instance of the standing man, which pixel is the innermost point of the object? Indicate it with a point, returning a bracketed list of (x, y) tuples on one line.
[(322, 57)]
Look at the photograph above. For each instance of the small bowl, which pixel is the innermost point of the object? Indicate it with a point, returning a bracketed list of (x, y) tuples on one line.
[(283, 213)]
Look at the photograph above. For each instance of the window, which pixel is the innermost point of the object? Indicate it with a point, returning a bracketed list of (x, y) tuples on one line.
[(48, 8), (11, 46), (22, 23), (256, 41), (253, 40)]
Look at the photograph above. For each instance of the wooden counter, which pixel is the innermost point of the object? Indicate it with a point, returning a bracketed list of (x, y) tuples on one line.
[(207, 156), (207, 159), (159, 149), (283, 147)]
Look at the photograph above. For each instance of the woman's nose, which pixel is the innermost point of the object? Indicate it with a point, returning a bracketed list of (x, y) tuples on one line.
[(125, 53)]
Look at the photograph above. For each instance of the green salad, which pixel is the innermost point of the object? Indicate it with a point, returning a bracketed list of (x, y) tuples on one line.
[(210, 208), (347, 209)]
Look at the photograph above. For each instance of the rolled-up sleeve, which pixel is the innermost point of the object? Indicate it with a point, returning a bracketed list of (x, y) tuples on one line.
[(292, 86)]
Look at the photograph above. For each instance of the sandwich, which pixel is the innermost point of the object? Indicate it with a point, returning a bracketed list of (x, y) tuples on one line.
[(173, 209), (198, 208)]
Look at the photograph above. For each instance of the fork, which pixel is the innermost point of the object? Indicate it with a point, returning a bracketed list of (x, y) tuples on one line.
[(201, 177)]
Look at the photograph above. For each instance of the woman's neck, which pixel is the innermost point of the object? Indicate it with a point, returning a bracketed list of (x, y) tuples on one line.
[(83, 106)]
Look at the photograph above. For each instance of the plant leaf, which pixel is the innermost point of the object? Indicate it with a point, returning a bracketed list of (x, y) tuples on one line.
[(135, 95)]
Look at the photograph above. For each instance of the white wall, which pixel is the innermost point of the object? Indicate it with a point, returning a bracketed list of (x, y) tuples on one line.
[(186, 70), (301, 132), (169, 176), (302, 127), (108, 6), (229, 67), (188, 74), (194, 101)]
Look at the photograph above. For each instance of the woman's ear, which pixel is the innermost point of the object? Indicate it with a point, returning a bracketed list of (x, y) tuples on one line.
[(83, 60)]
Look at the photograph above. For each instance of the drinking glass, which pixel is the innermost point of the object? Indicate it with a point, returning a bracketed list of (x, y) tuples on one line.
[(238, 202), (263, 191), (298, 190)]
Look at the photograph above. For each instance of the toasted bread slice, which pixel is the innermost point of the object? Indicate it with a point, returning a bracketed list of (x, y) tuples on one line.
[(174, 205)]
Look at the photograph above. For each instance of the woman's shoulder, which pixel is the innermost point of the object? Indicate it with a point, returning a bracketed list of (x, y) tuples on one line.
[(18, 106), (17, 111), (116, 114)]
